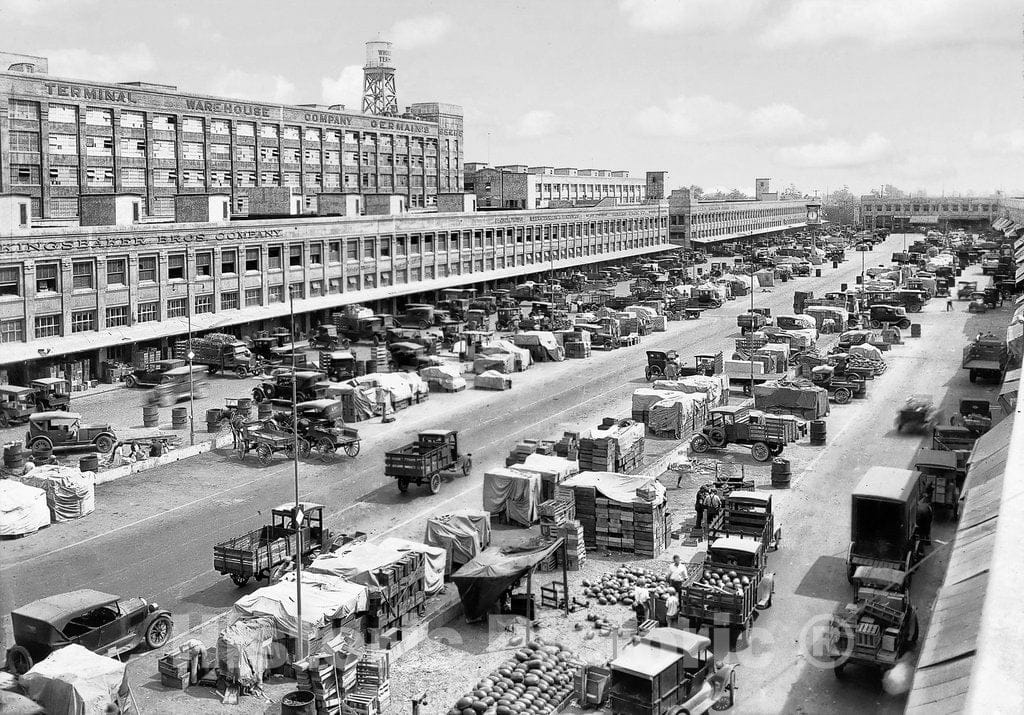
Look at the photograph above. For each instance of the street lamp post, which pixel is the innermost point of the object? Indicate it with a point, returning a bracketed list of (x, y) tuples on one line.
[(298, 515), (190, 356)]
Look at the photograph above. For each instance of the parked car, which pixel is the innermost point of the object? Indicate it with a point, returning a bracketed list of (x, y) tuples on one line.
[(17, 403), (150, 376), (180, 383), (64, 430), (103, 623), (52, 393)]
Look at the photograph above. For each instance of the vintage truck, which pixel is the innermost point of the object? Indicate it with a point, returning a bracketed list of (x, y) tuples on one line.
[(985, 358), (883, 520), (423, 461), (258, 553), (766, 434), (747, 513), (729, 586), (220, 353)]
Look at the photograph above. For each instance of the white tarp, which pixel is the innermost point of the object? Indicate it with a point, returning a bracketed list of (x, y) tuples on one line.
[(75, 681), (524, 359), (866, 351), (434, 558), (358, 563), (550, 467), (400, 385), (497, 361), (544, 339), (642, 311), (448, 377), (716, 387), (645, 397), (23, 508), (625, 435), (618, 487), (319, 605), (516, 493), (492, 380), (677, 414), (70, 493)]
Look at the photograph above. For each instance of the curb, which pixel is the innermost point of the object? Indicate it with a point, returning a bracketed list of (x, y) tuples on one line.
[(176, 455)]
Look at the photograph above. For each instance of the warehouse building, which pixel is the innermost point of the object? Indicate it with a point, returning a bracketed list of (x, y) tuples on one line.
[(74, 297), (517, 186), (695, 221), (63, 138), (936, 212)]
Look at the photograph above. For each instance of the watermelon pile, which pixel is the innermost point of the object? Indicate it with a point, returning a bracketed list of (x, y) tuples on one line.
[(535, 682), (613, 588)]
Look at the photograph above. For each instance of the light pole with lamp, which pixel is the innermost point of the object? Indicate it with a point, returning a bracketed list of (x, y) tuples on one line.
[(190, 355), (297, 513)]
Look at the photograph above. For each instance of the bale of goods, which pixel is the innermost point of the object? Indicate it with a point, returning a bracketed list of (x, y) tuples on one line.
[(538, 679), (492, 380)]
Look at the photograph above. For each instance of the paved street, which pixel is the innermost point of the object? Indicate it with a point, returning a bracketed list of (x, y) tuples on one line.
[(153, 533)]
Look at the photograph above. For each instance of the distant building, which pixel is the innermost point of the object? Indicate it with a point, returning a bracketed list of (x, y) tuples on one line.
[(517, 186), (940, 212)]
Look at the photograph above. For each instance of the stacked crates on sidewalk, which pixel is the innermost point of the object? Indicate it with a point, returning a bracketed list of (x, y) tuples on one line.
[(398, 594)]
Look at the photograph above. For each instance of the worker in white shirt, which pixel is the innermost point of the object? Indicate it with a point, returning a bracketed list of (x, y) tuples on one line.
[(672, 609), (677, 575), (641, 599)]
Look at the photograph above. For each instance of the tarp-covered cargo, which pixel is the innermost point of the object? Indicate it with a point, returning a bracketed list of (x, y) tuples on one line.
[(462, 535), (541, 343), (23, 508), (447, 377), (494, 362), (434, 561), (523, 358), (75, 681), (800, 396), (678, 416), (482, 581), (492, 380), (623, 488), (70, 493), (716, 387), (320, 605), (517, 494), (244, 649)]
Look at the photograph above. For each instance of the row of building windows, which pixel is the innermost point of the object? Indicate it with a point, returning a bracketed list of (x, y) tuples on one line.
[(83, 272), (100, 117), (711, 217), (923, 208)]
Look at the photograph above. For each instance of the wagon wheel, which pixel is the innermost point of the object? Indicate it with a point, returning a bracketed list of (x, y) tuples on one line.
[(304, 447), (324, 448), (265, 454), (760, 452), (842, 395), (242, 447), (239, 579), (352, 448), (435, 483), (403, 485)]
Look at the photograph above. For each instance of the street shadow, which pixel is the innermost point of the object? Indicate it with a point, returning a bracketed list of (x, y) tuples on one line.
[(221, 594), (826, 580)]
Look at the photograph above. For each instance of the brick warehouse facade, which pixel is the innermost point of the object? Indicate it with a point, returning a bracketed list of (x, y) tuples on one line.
[(62, 138), (100, 291)]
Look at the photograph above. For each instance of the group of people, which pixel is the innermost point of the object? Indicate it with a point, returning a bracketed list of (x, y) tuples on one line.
[(677, 575)]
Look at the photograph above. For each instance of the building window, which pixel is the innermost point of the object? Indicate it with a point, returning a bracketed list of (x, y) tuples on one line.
[(229, 301), (117, 316), (297, 290), (148, 312), (295, 256), (47, 278), (24, 141), (334, 251), (25, 174), (352, 283), (164, 122), (176, 267), (99, 146), (177, 308), (83, 320), (252, 260), (117, 271), (204, 264), (48, 326), (275, 294), (254, 296), (192, 124), (61, 113), (97, 117), (352, 250), (100, 177), (316, 254), (316, 289), (228, 260), (130, 120), (274, 258), (204, 304), (369, 249), (12, 331), (334, 285), (10, 280), (130, 177), (147, 268)]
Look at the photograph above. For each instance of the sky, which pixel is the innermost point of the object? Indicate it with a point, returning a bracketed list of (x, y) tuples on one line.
[(921, 94)]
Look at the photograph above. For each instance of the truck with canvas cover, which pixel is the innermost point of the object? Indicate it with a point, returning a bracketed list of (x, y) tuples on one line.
[(728, 587), (747, 513), (220, 353), (766, 434), (883, 520), (258, 553), (986, 358)]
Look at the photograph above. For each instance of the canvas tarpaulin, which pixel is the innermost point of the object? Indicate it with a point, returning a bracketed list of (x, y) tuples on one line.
[(624, 433), (462, 535), (515, 493), (75, 681), (23, 508), (821, 313), (645, 398), (494, 362), (542, 339), (716, 387), (243, 650), (482, 581), (523, 358), (679, 415), (70, 493), (358, 563), (363, 400), (801, 395), (869, 352), (619, 487), (448, 377), (319, 605), (434, 558)]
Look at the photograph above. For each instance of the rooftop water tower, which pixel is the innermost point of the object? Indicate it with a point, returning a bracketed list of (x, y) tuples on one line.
[(379, 80)]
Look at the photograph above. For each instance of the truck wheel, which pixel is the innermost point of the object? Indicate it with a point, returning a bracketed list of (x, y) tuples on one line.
[(842, 395), (19, 661), (40, 444), (131, 381), (159, 632), (325, 448), (760, 452), (241, 372), (973, 375), (700, 444), (4, 420), (104, 443), (239, 579), (403, 485), (435, 483)]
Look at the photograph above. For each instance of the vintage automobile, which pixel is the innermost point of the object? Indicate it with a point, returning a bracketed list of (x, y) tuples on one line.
[(917, 413), (17, 403), (322, 425), (103, 623), (326, 337), (883, 520), (966, 289), (662, 364), (150, 376), (767, 435), (280, 388), (180, 383), (52, 393), (409, 355), (879, 315), (63, 430), (879, 626)]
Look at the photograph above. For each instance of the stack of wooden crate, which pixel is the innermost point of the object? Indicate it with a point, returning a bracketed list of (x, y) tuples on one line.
[(380, 357), (585, 499), (636, 527), (554, 513), (373, 675), (605, 454), (318, 675), (575, 544), (398, 593)]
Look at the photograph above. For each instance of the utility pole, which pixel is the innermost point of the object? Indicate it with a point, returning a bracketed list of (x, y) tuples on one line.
[(297, 514)]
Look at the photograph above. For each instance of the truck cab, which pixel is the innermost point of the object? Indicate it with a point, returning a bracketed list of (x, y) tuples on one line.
[(52, 393), (883, 520)]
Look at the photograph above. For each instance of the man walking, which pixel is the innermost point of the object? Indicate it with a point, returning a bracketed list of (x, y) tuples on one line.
[(713, 504), (949, 305), (699, 505), (677, 575)]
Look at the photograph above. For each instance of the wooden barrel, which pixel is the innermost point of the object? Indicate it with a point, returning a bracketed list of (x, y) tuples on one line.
[(299, 702), (14, 456), (817, 432), (371, 367), (213, 419), (245, 407), (264, 410), (41, 455), (89, 463), (915, 330), (817, 273), (150, 415), (782, 472), (179, 418)]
